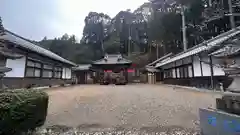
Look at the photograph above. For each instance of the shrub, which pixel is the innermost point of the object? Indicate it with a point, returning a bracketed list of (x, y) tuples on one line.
[(22, 110)]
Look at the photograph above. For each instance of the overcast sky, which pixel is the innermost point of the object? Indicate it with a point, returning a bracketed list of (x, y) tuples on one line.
[(34, 19)]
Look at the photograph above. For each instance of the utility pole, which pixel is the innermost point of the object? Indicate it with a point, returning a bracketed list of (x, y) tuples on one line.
[(232, 21), (150, 47), (184, 28), (102, 47), (129, 40), (100, 38), (210, 3)]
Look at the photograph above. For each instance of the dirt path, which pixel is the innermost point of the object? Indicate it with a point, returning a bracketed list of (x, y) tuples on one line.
[(132, 106)]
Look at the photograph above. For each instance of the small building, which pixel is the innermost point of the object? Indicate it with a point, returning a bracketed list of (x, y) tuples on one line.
[(36, 67), (154, 75), (195, 67), (82, 73), (110, 64)]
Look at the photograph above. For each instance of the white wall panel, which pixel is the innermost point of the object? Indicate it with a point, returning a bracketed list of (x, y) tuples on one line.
[(68, 73), (18, 67), (173, 73), (206, 68), (178, 73), (217, 71), (63, 73), (196, 66), (190, 71)]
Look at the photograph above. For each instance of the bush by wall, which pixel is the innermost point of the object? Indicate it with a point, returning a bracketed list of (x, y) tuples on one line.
[(21, 111)]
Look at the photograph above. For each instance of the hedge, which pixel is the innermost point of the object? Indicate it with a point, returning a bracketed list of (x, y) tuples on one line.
[(21, 111)]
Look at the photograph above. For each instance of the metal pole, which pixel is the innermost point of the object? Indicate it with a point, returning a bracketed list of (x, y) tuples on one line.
[(184, 28), (232, 21), (157, 51)]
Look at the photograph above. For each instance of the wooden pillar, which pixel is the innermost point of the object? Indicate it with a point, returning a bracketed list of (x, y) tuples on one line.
[(126, 74), (85, 77), (175, 72), (192, 66), (200, 60), (212, 74), (154, 77)]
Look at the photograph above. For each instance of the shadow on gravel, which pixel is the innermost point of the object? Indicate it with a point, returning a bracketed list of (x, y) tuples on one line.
[(169, 130), (87, 126), (58, 128), (97, 129)]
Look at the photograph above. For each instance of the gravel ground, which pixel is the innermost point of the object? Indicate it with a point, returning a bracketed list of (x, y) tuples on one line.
[(131, 109)]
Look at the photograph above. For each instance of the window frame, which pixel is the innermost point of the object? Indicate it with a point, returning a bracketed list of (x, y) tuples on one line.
[(35, 67), (59, 71), (45, 67), (168, 73), (182, 72)]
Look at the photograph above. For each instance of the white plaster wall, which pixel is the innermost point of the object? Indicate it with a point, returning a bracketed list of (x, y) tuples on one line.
[(18, 67), (196, 66), (217, 71), (206, 68), (178, 72), (64, 73), (174, 73), (190, 71), (68, 73)]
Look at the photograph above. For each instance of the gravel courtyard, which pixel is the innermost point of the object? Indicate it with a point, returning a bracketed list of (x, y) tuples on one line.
[(152, 108)]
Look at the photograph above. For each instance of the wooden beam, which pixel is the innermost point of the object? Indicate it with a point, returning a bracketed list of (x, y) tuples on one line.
[(201, 65), (212, 74), (176, 69), (26, 59), (192, 66)]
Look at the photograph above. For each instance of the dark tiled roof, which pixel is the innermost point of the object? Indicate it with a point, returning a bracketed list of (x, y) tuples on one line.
[(82, 67), (228, 50), (151, 69), (112, 59), (159, 59), (205, 46), (24, 43)]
